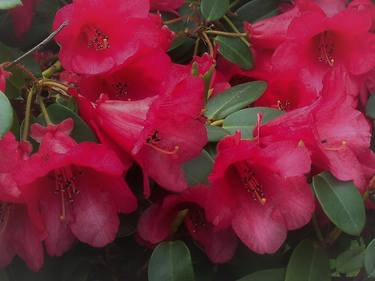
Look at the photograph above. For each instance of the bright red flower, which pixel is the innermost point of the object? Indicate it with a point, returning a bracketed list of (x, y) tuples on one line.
[(73, 192), (261, 192), (103, 35), (22, 17), (3, 76), (156, 223), (161, 133), (166, 5), (141, 78), (337, 135), (343, 39), (18, 236)]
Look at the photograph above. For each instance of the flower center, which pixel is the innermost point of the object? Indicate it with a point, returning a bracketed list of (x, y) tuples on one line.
[(66, 187), (326, 48), (96, 39), (4, 216), (250, 183), (154, 141), (283, 105), (121, 89), (197, 217)]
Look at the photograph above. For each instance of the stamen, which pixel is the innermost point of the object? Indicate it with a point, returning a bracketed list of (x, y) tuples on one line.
[(250, 183), (121, 89), (341, 147), (283, 105), (96, 39), (326, 49), (153, 141), (65, 187)]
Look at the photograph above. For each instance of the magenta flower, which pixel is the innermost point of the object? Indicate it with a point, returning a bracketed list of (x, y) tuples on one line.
[(156, 223), (71, 191), (261, 192)]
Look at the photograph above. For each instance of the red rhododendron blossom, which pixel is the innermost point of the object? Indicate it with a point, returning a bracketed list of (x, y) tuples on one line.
[(18, 236), (161, 133), (103, 35), (74, 190), (22, 17), (3, 76), (343, 39), (166, 5), (261, 192), (141, 78), (337, 135), (156, 223)]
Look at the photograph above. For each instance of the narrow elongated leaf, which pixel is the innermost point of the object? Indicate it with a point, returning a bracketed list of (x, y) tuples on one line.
[(198, 169), (277, 274), (234, 99), (350, 260), (171, 261), (6, 114), (214, 9), (216, 133), (341, 202), (9, 4), (246, 119), (309, 262), (235, 51), (59, 113), (370, 259), (257, 10)]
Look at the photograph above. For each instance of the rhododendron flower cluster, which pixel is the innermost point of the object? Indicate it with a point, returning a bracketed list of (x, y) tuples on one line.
[(137, 122)]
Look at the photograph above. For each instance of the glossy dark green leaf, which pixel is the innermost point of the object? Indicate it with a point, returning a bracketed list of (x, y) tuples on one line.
[(9, 4), (246, 119), (4, 275), (309, 262), (59, 113), (214, 9), (277, 274), (215, 133), (198, 169), (350, 260), (6, 114), (370, 259), (370, 106), (257, 10), (234, 99), (235, 51), (171, 261), (341, 202)]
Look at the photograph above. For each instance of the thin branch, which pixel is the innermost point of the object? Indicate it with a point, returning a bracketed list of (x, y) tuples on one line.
[(41, 44)]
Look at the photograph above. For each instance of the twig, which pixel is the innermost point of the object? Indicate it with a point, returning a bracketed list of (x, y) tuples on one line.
[(41, 44)]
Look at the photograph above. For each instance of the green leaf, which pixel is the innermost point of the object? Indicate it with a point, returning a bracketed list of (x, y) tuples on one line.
[(246, 120), (341, 202), (215, 133), (59, 113), (277, 274), (214, 9), (309, 262), (350, 260), (171, 261), (4, 275), (198, 169), (370, 107), (234, 99), (6, 114), (9, 4), (257, 10), (370, 259), (235, 51)]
